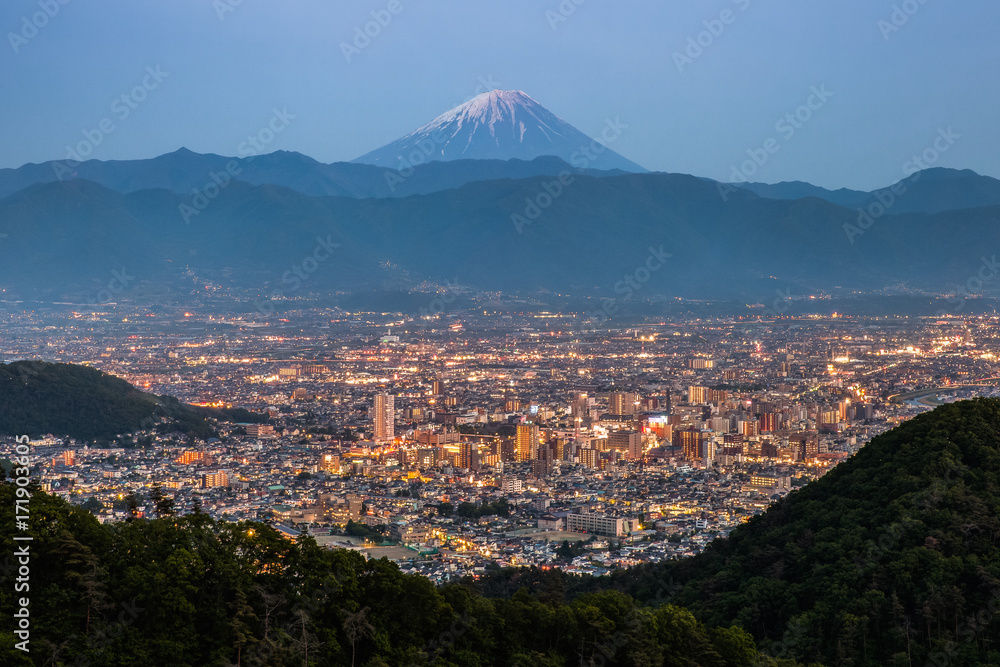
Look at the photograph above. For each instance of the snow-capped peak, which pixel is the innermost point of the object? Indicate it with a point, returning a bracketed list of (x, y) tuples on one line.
[(499, 124)]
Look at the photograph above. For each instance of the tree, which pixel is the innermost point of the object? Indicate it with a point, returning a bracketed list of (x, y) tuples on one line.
[(81, 570), (241, 625), (356, 626), (163, 505), (132, 504), (93, 505)]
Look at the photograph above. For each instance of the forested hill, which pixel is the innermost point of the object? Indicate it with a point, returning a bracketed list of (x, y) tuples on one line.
[(193, 592), (890, 559), (38, 397)]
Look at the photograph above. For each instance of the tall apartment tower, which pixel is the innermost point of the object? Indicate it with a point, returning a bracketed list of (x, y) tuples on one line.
[(385, 417), (622, 403), (526, 443), (468, 455), (697, 394)]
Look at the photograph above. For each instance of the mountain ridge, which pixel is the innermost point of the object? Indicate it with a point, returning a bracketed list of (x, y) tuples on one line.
[(584, 242), (186, 172)]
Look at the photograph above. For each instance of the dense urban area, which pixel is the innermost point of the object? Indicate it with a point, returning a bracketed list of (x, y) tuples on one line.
[(457, 443)]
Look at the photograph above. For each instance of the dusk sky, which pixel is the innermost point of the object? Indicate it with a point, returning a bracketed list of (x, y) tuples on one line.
[(898, 74)]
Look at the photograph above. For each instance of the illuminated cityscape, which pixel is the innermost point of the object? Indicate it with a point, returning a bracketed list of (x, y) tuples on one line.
[(464, 448)]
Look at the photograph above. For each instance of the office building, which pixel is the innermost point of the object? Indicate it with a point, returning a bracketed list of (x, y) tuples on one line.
[(385, 417), (526, 442)]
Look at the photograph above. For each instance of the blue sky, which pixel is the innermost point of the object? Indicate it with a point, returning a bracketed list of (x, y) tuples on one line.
[(225, 66)]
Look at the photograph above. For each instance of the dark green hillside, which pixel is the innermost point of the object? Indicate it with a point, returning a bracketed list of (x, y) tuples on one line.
[(193, 592), (37, 397), (890, 559)]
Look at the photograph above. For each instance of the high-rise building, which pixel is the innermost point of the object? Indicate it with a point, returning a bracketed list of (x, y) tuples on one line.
[(697, 394), (468, 455), (629, 443), (426, 457), (694, 443), (718, 395), (526, 444), (330, 462), (829, 416), (719, 424), (622, 403), (214, 478), (768, 422), (385, 417), (543, 464), (354, 506)]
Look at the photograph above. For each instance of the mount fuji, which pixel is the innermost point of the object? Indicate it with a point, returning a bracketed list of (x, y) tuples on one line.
[(502, 124)]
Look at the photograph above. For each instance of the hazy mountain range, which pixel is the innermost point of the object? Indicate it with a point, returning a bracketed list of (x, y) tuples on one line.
[(283, 224)]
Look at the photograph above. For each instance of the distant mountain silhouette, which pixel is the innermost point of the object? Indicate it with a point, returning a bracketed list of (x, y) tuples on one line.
[(800, 190), (186, 172), (604, 237), (929, 191)]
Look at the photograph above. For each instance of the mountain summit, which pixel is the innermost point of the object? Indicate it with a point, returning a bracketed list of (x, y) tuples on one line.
[(501, 124)]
